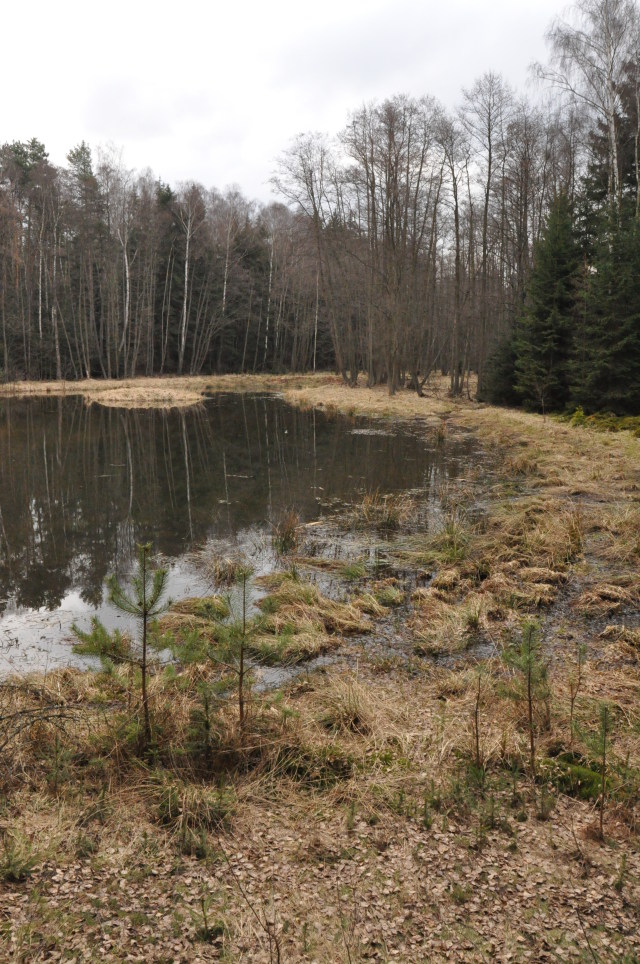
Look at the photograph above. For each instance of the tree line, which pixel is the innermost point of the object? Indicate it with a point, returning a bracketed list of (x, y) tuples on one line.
[(109, 273), (414, 240)]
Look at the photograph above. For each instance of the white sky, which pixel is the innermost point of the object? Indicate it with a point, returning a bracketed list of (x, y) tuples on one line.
[(215, 92)]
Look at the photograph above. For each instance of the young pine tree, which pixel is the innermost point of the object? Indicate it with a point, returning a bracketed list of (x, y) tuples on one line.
[(544, 337), (227, 647), (532, 685), (144, 600), (599, 744)]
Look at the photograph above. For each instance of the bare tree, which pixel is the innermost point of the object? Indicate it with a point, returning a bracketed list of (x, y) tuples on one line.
[(485, 116), (588, 58)]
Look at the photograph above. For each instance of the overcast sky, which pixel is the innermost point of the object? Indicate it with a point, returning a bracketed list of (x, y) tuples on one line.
[(214, 92)]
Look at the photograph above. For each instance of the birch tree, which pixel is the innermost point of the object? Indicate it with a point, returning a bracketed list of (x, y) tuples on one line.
[(588, 59)]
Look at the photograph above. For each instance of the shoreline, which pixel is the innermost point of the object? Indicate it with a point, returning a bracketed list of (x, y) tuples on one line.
[(355, 790)]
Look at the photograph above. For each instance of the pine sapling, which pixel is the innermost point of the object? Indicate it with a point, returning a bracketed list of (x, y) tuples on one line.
[(575, 682), (599, 745), (527, 661), (144, 601), (228, 649), (476, 724), (243, 640), (603, 735)]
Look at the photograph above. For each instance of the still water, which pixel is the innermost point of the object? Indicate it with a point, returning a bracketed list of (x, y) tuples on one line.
[(81, 485)]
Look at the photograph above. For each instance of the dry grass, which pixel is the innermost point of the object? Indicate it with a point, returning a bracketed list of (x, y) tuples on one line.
[(349, 809), (605, 599), (298, 622), (163, 391), (385, 513), (369, 778), (200, 613)]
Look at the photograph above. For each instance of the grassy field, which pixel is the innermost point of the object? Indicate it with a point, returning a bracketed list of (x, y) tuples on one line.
[(382, 808)]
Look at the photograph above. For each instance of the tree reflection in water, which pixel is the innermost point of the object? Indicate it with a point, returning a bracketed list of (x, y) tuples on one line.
[(81, 485)]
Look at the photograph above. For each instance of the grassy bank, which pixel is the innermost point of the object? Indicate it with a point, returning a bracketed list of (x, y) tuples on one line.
[(159, 391), (383, 807)]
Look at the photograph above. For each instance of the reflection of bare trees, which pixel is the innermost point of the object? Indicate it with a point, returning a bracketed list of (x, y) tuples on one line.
[(80, 487)]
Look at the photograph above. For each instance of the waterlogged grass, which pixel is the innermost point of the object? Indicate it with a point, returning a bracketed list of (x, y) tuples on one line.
[(394, 772), (382, 513), (299, 622)]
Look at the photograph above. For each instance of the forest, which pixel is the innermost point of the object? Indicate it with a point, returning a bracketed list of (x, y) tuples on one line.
[(499, 239)]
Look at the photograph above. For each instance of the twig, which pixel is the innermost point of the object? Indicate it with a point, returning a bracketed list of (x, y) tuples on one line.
[(269, 927), (586, 937)]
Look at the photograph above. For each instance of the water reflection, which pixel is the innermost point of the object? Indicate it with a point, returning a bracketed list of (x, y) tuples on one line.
[(80, 486)]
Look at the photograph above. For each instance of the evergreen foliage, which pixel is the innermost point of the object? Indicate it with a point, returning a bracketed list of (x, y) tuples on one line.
[(607, 360), (532, 682), (499, 387), (144, 600), (544, 339)]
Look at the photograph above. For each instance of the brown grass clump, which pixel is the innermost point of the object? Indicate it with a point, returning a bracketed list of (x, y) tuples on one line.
[(344, 704), (225, 571), (383, 512), (521, 464), (286, 533), (199, 613), (625, 640), (299, 622), (605, 598), (206, 607), (534, 532), (440, 626), (367, 603), (285, 644), (446, 579), (624, 634), (623, 529)]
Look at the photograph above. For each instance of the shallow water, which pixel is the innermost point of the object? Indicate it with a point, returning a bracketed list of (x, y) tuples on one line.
[(80, 486)]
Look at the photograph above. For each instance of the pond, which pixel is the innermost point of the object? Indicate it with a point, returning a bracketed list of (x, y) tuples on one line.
[(81, 485)]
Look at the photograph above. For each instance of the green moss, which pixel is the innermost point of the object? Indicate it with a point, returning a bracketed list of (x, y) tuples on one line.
[(353, 571), (389, 595), (572, 776), (605, 422)]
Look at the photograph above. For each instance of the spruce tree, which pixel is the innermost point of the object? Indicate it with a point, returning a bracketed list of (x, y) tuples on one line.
[(606, 374), (499, 387), (543, 343)]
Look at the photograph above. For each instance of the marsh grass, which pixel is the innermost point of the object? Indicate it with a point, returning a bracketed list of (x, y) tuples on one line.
[(384, 513), (204, 608), (605, 599), (370, 775), (286, 533), (299, 622)]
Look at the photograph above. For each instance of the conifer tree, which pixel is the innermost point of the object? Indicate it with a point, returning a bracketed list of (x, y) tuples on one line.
[(607, 364), (532, 680), (543, 343), (143, 600)]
